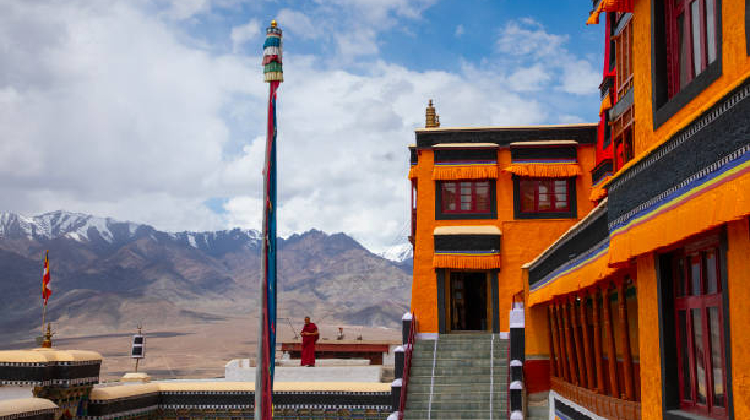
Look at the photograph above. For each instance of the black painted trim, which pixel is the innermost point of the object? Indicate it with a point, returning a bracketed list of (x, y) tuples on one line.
[(569, 411), (495, 294), (601, 170), (464, 216), (455, 243), (543, 152), (572, 214), (447, 155), (663, 107), (440, 278), (504, 136), (668, 346)]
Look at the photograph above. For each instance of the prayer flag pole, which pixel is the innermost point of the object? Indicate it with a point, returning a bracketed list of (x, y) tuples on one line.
[(265, 362)]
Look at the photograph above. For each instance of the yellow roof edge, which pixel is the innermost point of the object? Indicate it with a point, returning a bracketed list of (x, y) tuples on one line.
[(467, 230)]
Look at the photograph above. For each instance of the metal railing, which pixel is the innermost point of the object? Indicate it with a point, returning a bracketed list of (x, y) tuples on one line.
[(407, 367)]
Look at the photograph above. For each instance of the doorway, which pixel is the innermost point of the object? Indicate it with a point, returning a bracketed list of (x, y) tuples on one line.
[(469, 301)]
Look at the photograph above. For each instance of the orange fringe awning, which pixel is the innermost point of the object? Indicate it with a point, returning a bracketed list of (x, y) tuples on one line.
[(479, 262), (447, 173), (609, 6), (594, 16), (545, 170), (413, 172), (581, 277), (599, 191), (606, 105), (723, 199)]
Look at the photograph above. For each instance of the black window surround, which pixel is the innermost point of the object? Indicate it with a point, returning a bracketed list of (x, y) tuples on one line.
[(667, 345), (439, 215), (570, 214), (663, 107)]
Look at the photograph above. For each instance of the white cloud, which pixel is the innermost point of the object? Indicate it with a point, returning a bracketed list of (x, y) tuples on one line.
[(528, 37), (541, 59), (104, 109), (244, 33), (459, 30), (299, 24)]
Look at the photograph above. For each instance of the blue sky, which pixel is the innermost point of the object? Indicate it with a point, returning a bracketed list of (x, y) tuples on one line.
[(153, 110)]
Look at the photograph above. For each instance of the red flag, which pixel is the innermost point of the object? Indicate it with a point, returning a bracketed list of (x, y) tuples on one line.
[(46, 291)]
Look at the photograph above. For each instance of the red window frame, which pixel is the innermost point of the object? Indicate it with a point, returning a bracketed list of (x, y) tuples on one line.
[(460, 195), (544, 187), (693, 270), (687, 64)]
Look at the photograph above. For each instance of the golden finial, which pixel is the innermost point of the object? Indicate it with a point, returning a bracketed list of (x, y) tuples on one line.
[(430, 120), (273, 23), (47, 343)]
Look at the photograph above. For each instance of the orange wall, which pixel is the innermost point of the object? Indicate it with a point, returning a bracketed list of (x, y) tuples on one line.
[(735, 67), (648, 315), (738, 259), (522, 240)]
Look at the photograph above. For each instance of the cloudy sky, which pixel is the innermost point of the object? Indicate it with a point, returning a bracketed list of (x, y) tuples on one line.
[(153, 110)]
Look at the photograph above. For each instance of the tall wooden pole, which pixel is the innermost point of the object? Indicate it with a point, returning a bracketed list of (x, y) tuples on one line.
[(598, 356), (550, 338), (569, 346), (611, 349), (563, 342), (577, 339), (586, 342), (625, 340)]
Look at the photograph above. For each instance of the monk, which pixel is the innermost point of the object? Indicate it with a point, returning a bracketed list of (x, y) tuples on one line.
[(309, 337)]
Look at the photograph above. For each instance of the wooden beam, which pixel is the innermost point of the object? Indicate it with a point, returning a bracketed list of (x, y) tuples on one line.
[(561, 341), (569, 346), (625, 339), (576, 324), (586, 342), (598, 356), (550, 337), (611, 352)]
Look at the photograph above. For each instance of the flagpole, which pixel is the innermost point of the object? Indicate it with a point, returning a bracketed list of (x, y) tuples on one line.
[(264, 365)]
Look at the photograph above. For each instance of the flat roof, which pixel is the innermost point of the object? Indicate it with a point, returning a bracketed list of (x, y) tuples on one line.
[(544, 143), (49, 355), (465, 145), (127, 391), (496, 128), (25, 405)]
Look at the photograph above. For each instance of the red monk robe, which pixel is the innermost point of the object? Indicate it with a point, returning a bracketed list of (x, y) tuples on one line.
[(309, 337)]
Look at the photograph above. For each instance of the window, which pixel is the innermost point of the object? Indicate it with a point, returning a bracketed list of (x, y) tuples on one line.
[(544, 195), (700, 333), (691, 40), (413, 210), (466, 198)]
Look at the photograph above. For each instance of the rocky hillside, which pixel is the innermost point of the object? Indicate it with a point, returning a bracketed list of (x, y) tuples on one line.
[(108, 274)]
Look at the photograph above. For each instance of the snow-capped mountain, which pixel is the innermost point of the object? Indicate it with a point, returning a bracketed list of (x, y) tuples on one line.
[(76, 226), (398, 253), (87, 228)]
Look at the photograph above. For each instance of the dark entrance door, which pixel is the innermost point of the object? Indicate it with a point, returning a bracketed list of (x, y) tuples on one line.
[(468, 301)]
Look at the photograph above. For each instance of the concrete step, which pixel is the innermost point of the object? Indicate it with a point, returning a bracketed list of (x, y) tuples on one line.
[(499, 371), (449, 388), (436, 405), (452, 380), (464, 362), (442, 396), (455, 414), (537, 409)]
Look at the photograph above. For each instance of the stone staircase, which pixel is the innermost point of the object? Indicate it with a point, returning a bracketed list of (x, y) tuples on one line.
[(469, 382)]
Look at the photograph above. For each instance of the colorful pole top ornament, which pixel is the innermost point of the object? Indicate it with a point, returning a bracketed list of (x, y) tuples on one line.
[(272, 70)]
